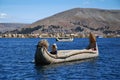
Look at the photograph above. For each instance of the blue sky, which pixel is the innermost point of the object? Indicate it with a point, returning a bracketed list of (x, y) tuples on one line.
[(29, 11)]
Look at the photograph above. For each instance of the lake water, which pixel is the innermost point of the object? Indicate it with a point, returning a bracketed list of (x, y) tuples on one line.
[(16, 61)]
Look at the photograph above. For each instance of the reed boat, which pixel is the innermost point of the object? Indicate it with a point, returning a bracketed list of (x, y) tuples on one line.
[(44, 57), (64, 39)]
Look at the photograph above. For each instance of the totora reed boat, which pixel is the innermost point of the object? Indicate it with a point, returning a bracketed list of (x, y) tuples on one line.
[(43, 57), (64, 39)]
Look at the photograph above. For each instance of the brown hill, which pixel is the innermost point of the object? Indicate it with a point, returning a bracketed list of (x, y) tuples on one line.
[(78, 20), (11, 26)]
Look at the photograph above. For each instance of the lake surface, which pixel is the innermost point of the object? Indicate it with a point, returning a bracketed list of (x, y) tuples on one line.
[(16, 61)]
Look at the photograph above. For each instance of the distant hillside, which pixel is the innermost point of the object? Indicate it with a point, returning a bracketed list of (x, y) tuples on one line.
[(11, 26), (78, 20)]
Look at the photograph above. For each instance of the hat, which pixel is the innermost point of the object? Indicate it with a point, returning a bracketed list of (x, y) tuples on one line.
[(55, 45)]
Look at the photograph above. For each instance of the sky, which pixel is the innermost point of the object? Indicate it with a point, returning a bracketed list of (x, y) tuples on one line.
[(29, 11)]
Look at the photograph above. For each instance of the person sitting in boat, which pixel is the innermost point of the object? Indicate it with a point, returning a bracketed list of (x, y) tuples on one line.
[(54, 49)]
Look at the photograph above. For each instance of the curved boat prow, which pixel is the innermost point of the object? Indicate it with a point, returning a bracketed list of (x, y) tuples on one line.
[(92, 37), (92, 42)]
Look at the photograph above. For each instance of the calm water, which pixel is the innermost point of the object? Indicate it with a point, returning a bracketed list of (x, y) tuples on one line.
[(16, 56)]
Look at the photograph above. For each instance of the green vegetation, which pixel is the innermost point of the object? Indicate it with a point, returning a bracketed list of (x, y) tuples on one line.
[(29, 30), (79, 29)]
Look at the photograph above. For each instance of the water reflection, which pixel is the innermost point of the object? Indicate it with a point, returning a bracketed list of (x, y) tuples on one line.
[(68, 70)]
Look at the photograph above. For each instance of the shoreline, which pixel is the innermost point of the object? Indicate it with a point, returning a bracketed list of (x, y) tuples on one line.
[(46, 35)]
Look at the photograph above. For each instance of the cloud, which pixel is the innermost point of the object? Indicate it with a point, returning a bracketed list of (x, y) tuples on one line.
[(3, 15)]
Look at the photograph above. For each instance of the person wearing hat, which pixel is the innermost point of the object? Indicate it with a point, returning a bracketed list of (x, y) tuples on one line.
[(54, 49)]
